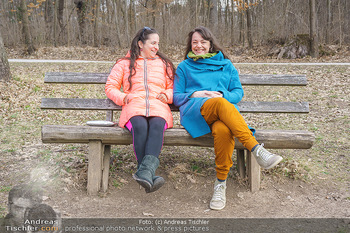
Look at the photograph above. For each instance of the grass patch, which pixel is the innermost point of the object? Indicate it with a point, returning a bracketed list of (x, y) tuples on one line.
[(291, 169), (3, 212), (116, 184), (5, 188)]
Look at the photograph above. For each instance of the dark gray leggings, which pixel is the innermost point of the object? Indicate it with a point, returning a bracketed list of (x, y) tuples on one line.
[(147, 134)]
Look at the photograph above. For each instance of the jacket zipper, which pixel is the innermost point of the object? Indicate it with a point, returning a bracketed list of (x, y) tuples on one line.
[(146, 88)]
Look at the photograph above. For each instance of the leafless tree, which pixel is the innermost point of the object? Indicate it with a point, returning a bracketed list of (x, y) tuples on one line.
[(5, 74), (313, 32), (25, 28), (114, 22), (81, 8), (329, 20), (249, 25), (115, 17), (60, 13), (213, 16), (96, 23)]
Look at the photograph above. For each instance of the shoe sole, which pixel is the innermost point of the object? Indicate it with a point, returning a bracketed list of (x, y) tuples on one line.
[(157, 184), (144, 183), (275, 163), (215, 208)]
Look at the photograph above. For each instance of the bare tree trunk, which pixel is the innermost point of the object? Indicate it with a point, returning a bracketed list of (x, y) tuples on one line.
[(262, 22), (5, 74), (196, 15), (213, 15), (193, 13), (115, 12), (164, 19), (25, 29), (48, 19), (232, 21), (133, 17), (60, 14), (286, 19), (347, 21), (313, 31), (340, 6), (329, 21), (97, 19), (219, 20), (154, 10), (203, 10), (249, 27), (207, 21), (227, 14), (55, 23), (241, 28), (81, 8), (126, 20), (67, 24)]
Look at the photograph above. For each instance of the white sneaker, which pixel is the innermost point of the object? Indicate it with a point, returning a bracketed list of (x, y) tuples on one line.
[(264, 158), (218, 201)]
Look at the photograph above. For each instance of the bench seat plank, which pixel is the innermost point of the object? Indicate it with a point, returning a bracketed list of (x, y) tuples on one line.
[(246, 79), (275, 139), (106, 104)]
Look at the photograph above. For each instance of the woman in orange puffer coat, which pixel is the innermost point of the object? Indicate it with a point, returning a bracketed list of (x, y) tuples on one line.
[(146, 76)]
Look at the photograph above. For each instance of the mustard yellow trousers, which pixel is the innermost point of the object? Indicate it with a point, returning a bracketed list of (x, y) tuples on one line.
[(226, 124)]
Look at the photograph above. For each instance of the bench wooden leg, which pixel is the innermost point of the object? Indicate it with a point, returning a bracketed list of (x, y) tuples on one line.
[(105, 168), (95, 167), (241, 163), (253, 172)]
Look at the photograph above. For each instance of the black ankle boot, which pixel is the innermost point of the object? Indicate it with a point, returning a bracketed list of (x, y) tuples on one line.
[(145, 174), (158, 182)]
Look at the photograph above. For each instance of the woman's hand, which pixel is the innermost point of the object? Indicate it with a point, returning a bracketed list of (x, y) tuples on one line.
[(206, 94), (162, 97)]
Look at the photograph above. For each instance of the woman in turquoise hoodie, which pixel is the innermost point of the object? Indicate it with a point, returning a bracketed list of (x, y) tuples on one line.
[(206, 90)]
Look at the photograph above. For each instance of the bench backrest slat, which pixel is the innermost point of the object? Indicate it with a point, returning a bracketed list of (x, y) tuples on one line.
[(106, 104), (75, 77), (246, 79)]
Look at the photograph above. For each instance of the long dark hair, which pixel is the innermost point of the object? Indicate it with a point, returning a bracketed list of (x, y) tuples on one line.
[(207, 35), (143, 35)]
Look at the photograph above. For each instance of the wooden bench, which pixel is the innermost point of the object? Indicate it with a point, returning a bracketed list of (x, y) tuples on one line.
[(100, 139)]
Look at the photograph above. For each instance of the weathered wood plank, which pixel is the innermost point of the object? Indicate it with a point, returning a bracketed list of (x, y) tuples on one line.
[(105, 168), (78, 104), (75, 78), (106, 104), (274, 139), (95, 167), (253, 172), (273, 107), (273, 80), (246, 79), (241, 167)]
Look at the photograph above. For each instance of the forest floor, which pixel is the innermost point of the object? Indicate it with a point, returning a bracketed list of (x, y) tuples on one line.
[(308, 183)]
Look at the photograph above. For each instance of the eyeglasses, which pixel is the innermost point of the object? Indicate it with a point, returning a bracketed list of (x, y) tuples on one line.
[(145, 28)]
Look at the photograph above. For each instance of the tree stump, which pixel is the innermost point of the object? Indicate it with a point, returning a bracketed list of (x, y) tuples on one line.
[(296, 47)]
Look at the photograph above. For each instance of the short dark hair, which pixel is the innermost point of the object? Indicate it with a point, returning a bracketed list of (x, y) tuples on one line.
[(207, 35)]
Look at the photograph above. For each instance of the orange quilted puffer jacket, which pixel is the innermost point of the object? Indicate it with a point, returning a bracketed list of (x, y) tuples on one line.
[(149, 81)]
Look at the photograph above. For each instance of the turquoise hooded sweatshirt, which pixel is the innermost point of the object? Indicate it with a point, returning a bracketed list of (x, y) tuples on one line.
[(213, 74)]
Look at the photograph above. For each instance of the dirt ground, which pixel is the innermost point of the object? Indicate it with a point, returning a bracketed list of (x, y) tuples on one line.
[(319, 189), (282, 199), (186, 194)]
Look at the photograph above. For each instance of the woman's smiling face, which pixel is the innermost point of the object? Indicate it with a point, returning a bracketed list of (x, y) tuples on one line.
[(150, 48), (200, 46)]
